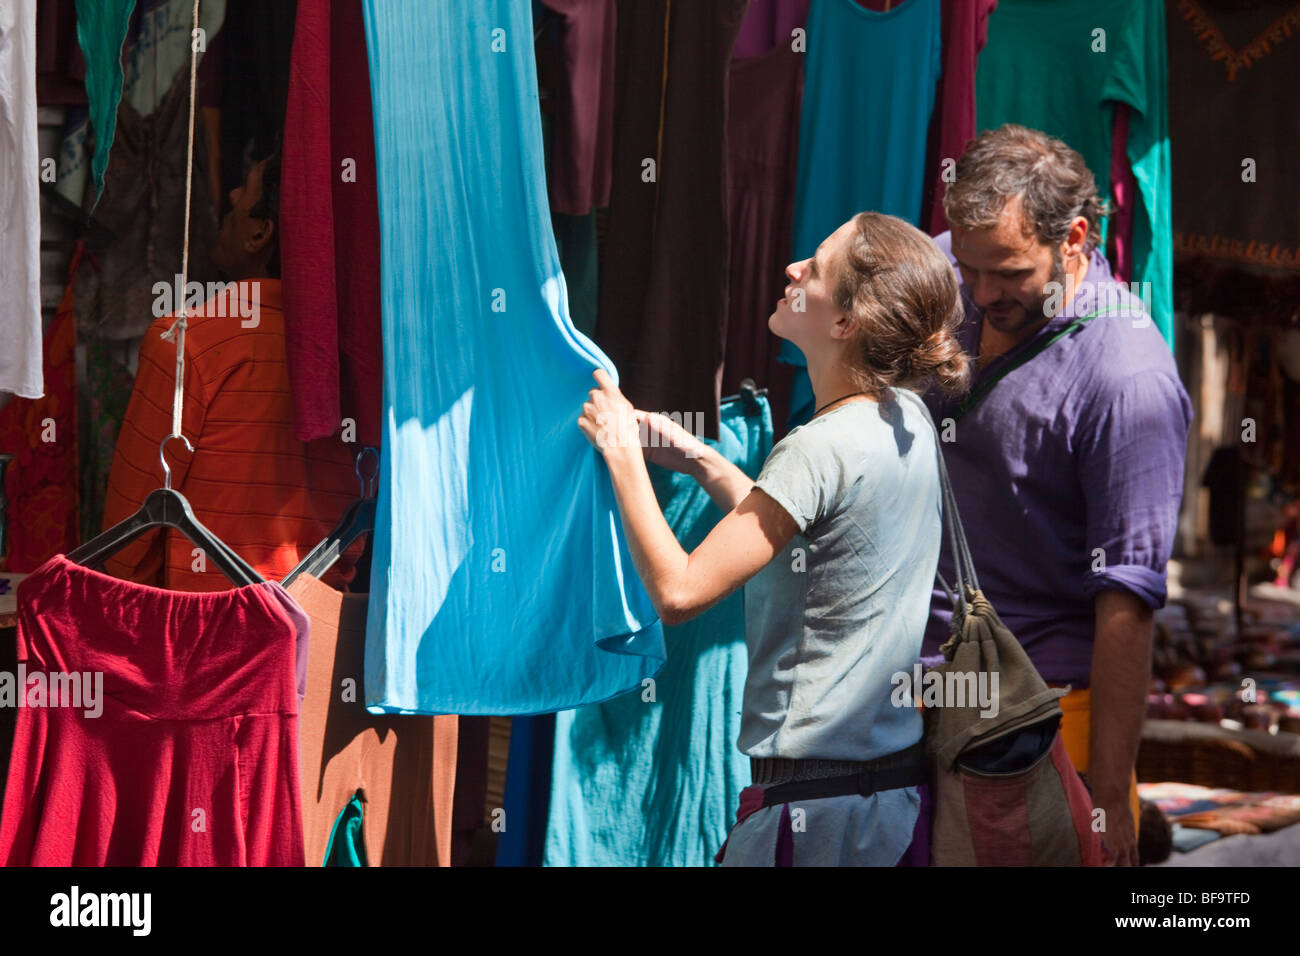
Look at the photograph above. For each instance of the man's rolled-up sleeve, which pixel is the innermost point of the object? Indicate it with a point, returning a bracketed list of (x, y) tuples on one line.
[(1131, 455)]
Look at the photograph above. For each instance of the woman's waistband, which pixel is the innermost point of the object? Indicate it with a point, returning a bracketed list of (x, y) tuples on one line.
[(773, 771)]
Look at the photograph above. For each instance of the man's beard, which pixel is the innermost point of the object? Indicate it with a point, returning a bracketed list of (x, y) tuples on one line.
[(1036, 311)]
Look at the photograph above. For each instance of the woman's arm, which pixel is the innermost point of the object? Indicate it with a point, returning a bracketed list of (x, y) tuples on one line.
[(680, 585), (671, 446)]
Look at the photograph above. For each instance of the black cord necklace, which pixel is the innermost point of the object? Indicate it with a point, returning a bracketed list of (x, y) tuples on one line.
[(840, 399)]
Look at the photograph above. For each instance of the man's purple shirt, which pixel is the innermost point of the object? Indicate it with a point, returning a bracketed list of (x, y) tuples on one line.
[(1068, 474)]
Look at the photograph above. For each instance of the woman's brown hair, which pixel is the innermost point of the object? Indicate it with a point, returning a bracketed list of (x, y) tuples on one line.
[(903, 297)]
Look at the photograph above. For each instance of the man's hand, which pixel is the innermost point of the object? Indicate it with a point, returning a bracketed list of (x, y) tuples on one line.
[(1119, 839)]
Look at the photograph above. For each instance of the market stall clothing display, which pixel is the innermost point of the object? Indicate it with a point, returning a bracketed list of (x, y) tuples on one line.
[(101, 30), (1236, 233), (158, 47), (964, 26), (833, 617), (869, 85), (20, 207), (584, 113), (403, 767), (41, 482), (1079, 449), (639, 782), (762, 151), (767, 24), (501, 581), (143, 206), (268, 496), (183, 747), (1061, 67), (663, 285), (329, 228)]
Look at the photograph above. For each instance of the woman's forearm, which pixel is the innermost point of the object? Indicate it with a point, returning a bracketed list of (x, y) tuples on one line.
[(726, 484)]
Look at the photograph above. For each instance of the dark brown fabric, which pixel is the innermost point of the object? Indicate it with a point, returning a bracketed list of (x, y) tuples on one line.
[(762, 152), (584, 106), (1236, 244), (404, 765), (663, 297), (471, 787)]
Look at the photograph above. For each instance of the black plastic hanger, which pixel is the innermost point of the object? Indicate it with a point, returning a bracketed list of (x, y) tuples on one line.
[(749, 392), (359, 519), (167, 508)]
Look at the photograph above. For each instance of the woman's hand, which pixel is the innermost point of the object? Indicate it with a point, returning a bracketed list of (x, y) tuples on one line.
[(668, 444), (608, 418)]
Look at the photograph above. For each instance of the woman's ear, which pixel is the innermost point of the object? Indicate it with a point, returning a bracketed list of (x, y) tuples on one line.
[(843, 326)]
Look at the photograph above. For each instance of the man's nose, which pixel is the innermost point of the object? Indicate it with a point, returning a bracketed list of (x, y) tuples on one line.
[(794, 270), (985, 291)]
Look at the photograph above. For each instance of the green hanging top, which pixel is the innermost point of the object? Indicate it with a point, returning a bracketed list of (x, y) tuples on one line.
[(101, 31)]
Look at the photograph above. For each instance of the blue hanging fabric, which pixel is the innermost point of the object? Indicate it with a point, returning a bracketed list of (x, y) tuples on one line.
[(101, 31), (653, 780), (502, 583), (869, 85)]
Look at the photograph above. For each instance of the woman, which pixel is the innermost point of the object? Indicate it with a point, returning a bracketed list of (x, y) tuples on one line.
[(840, 536)]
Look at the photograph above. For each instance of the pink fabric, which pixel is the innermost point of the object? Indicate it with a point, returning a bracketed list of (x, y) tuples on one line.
[(1123, 186), (193, 757), (1080, 801), (356, 225), (307, 231), (767, 24), (329, 237), (964, 29)]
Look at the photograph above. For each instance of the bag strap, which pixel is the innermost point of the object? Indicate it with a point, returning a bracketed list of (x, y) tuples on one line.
[(986, 386), (966, 579)]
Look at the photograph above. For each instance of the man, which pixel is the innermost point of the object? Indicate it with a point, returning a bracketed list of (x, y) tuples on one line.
[(268, 496), (1068, 471)]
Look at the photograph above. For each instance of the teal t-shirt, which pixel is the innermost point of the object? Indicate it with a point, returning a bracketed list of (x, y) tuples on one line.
[(869, 85), (1060, 66)]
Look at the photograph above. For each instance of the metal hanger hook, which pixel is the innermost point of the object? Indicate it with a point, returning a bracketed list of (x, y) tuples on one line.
[(367, 481), (167, 472)]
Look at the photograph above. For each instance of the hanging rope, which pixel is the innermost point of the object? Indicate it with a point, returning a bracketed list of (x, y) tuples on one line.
[(177, 330)]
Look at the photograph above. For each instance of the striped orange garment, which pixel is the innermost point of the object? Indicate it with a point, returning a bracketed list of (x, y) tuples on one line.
[(268, 496)]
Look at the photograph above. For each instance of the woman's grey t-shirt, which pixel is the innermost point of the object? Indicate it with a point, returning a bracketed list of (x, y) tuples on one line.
[(843, 608)]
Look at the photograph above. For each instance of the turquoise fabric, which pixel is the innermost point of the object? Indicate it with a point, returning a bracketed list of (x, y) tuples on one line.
[(656, 783), (101, 31), (1045, 67), (502, 582), (870, 79), (347, 846)]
